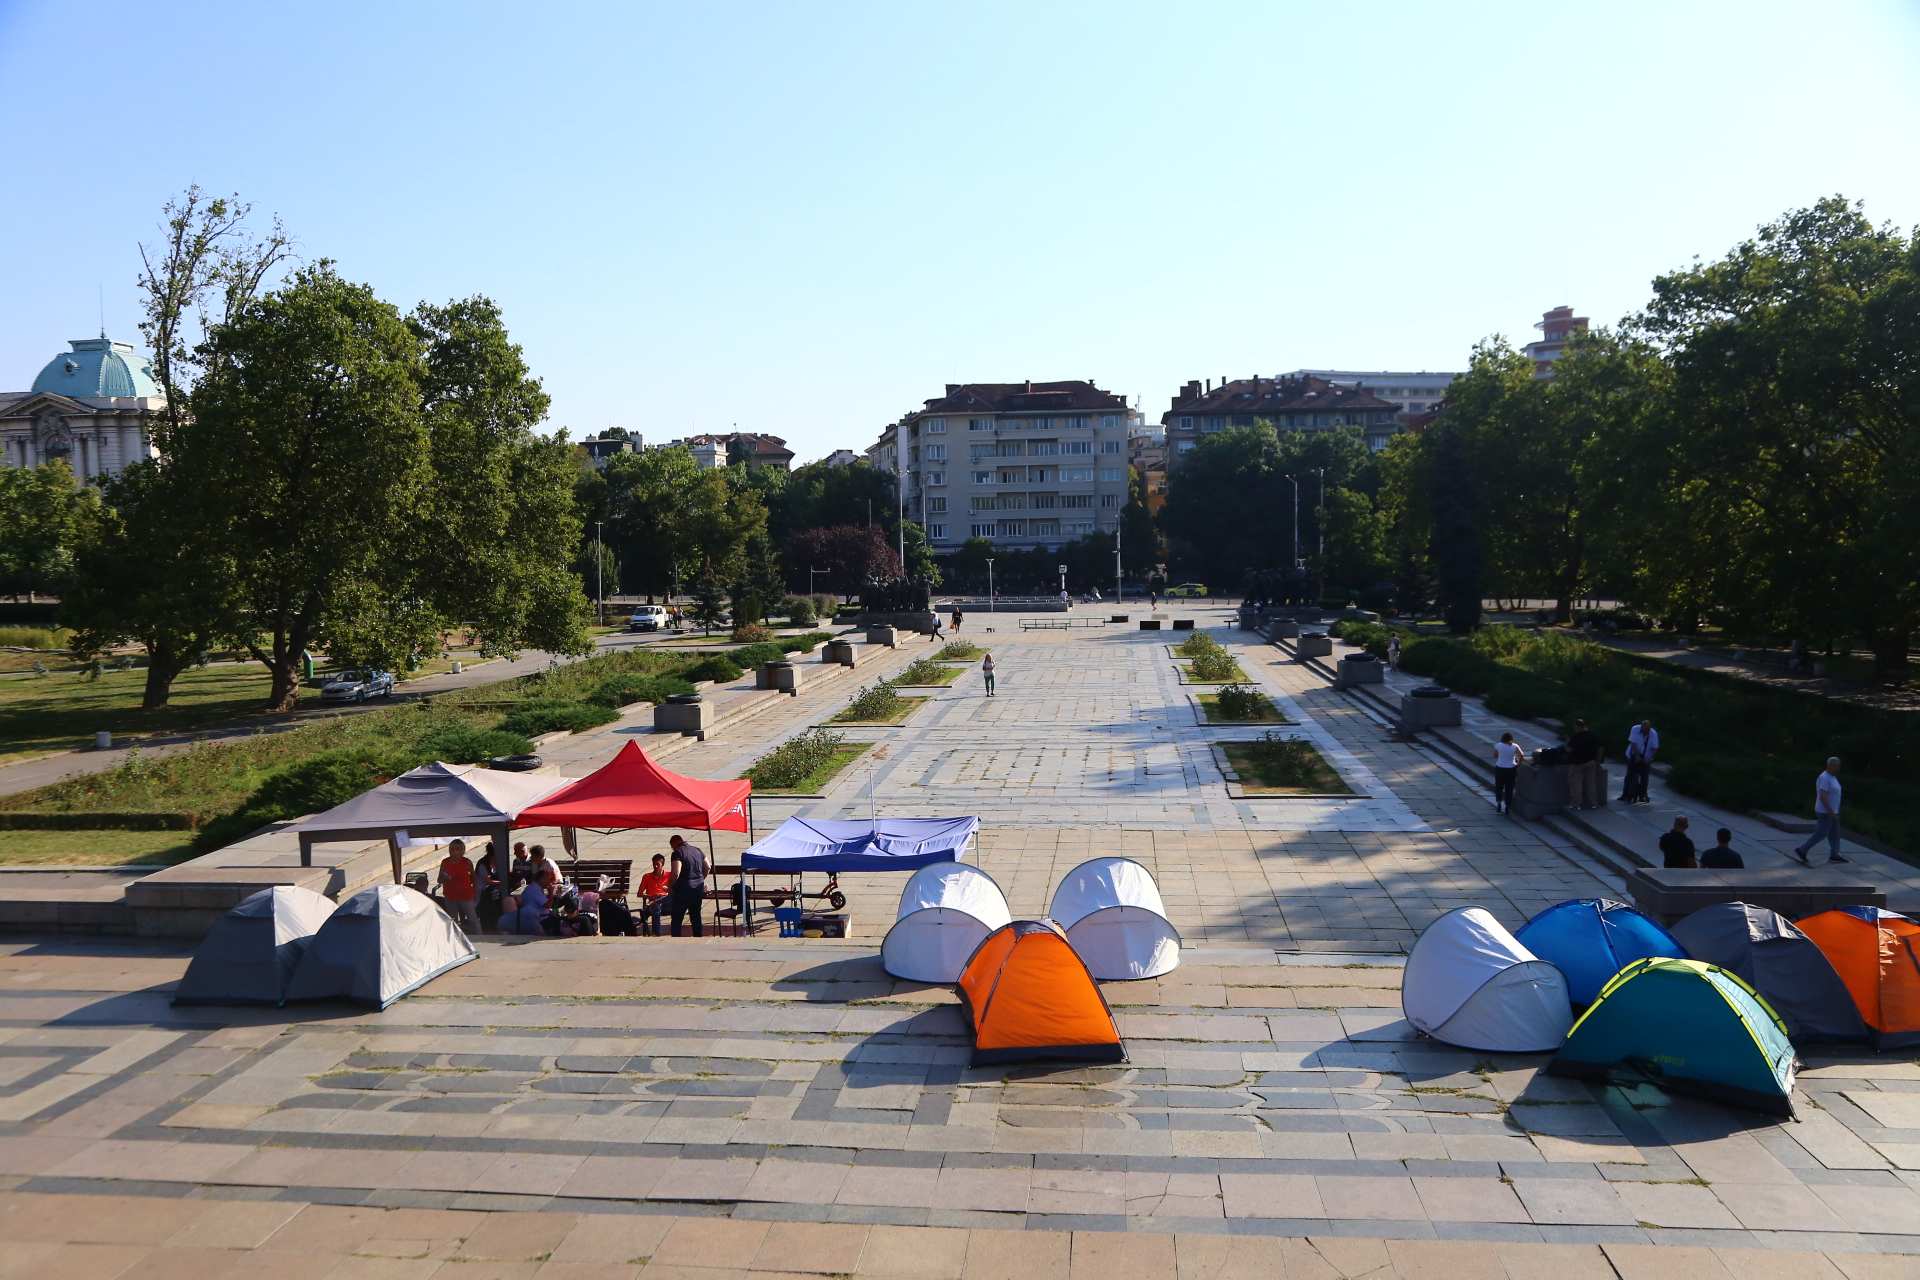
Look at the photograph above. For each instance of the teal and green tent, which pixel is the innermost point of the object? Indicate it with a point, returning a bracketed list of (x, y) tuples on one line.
[(1688, 1026)]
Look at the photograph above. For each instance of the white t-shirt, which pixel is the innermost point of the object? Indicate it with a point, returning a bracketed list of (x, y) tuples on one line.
[(1826, 793), (1506, 755)]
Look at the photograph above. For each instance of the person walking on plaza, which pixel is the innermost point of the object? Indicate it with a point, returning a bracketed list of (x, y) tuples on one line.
[(457, 888), (1722, 857), (1826, 814), (1393, 651), (1506, 770), (1676, 847), (689, 891), (654, 887), (1643, 744), (986, 672), (1586, 784), (957, 615)]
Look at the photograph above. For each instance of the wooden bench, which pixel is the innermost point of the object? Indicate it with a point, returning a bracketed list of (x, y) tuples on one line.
[(585, 873), (1059, 624)]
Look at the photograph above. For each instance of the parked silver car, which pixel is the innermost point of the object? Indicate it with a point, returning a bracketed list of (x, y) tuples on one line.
[(357, 686)]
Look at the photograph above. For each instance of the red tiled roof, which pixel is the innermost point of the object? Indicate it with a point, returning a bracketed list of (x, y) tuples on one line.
[(1017, 397)]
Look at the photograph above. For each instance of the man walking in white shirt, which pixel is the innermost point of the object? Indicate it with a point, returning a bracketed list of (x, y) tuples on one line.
[(1826, 814), (1643, 743)]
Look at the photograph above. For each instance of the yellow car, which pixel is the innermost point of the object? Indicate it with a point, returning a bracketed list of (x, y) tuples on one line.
[(1187, 589)]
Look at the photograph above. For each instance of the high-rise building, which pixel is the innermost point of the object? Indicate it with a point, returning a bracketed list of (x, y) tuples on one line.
[(1557, 328), (1026, 464)]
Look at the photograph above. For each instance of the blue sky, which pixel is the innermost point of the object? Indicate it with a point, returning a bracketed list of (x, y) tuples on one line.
[(805, 219)]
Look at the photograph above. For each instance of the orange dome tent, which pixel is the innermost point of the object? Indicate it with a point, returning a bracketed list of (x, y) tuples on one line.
[(1877, 954), (1028, 995)]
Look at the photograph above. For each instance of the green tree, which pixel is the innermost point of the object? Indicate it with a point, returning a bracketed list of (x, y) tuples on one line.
[(920, 564), (1456, 546), (709, 601), (42, 518), (819, 496), (971, 558), (1140, 547)]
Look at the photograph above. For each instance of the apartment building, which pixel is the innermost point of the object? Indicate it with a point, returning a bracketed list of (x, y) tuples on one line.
[(1557, 328), (1413, 393), (1027, 464), (755, 450), (1288, 402)]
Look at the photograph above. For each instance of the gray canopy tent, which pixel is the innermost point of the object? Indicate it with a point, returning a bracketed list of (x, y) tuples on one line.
[(436, 799)]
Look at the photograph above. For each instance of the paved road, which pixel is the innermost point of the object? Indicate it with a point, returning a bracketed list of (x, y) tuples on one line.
[(38, 773)]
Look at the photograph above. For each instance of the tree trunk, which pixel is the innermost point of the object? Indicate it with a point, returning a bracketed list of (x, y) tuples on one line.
[(164, 665)]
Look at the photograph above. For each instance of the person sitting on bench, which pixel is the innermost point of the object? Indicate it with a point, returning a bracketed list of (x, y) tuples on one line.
[(654, 887)]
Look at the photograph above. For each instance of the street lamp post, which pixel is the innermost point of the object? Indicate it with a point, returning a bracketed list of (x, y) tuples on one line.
[(810, 574), (1321, 523), (990, 595), (1296, 520), (599, 577), (1119, 581)]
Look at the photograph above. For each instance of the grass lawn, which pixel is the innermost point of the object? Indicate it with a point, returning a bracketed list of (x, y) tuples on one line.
[(39, 714), (907, 708), (822, 777), (93, 848), (946, 676), (1309, 774), (1238, 676), (1210, 703)]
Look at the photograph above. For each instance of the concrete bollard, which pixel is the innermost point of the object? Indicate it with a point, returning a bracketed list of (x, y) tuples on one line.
[(103, 740)]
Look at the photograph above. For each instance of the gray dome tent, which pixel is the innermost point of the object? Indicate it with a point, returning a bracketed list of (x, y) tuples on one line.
[(251, 954), (1784, 965), (377, 946)]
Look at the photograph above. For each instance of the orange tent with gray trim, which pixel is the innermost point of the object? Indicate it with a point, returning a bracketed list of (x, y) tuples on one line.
[(1028, 995), (1877, 954)]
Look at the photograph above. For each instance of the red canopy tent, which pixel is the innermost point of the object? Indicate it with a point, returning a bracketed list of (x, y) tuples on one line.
[(630, 790)]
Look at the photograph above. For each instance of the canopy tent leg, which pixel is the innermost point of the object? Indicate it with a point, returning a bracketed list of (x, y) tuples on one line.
[(393, 850), (570, 841)]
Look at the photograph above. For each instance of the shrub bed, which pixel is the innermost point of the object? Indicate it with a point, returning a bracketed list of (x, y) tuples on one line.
[(960, 650), (926, 671), (1214, 664), (719, 668), (797, 759), (1243, 702), (536, 716), (1284, 763), (751, 633), (470, 744), (1197, 645), (881, 701)]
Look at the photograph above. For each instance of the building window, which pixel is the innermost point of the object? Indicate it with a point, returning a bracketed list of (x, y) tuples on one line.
[(1045, 528), (936, 506), (983, 477), (1071, 500), (936, 426), (1320, 419), (982, 531), (1213, 423), (1243, 420), (1043, 475), (1110, 446), (1013, 528), (1075, 528), (1013, 502), (1110, 420), (1076, 422), (936, 453), (1013, 477), (987, 503), (1041, 501), (934, 477), (1112, 473), (979, 424), (1185, 446), (1186, 424), (1011, 448), (1076, 446), (1040, 448), (937, 532), (1076, 475), (1109, 500)]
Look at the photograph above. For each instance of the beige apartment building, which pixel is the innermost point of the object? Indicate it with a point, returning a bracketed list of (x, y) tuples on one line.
[(1027, 464)]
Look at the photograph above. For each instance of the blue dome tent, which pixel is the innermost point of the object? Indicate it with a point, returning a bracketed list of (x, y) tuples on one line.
[(1591, 939), (1686, 1026)]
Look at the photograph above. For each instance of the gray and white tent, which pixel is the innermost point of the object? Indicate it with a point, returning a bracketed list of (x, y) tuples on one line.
[(1110, 910), (946, 911), (437, 799), (251, 954), (1470, 983), (378, 945), (1784, 965)]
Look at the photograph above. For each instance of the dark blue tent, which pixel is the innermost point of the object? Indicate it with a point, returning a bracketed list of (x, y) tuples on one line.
[(1591, 939), (892, 844)]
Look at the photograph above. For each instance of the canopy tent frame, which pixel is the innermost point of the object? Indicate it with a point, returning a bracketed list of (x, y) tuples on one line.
[(840, 854)]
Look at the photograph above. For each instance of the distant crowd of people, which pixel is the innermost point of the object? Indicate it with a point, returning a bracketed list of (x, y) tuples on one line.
[(535, 898)]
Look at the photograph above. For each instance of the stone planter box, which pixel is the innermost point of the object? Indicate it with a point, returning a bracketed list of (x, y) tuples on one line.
[(886, 635), (1794, 892), (1151, 624), (784, 676), (1283, 629), (840, 651), (1429, 713), (1315, 644), (689, 715), (1540, 791), (1352, 671)]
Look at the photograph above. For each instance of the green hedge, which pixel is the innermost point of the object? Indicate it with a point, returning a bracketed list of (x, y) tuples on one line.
[(757, 655), (536, 716), (313, 785), (805, 643), (719, 669), (470, 744), (1730, 742), (624, 690)]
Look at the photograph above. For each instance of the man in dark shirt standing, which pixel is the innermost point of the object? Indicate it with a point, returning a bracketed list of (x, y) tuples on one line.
[(689, 891), (1676, 846), (1585, 786), (1722, 857)]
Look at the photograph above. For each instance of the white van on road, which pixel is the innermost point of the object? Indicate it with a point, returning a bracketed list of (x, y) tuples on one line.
[(648, 617)]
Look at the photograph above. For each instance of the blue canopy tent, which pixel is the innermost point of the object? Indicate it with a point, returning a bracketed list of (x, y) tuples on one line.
[(800, 845), (891, 844)]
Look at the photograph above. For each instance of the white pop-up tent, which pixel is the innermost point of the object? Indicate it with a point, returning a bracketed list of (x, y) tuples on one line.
[(252, 953), (378, 945), (1471, 983), (1111, 911), (946, 911), (437, 799)]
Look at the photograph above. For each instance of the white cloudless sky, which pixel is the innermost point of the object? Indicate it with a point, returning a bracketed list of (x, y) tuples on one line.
[(806, 218)]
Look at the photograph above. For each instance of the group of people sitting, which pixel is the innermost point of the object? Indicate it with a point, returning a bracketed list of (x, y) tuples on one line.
[(536, 899)]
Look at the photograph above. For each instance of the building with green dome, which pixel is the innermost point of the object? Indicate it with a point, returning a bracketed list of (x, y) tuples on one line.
[(89, 407)]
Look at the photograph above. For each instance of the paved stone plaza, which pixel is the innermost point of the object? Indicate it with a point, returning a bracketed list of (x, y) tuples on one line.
[(700, 1110)]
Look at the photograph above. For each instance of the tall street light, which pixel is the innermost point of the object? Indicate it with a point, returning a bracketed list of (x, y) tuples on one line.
[(990, 596), (1321, 523), (1296, 520), (599, 577)]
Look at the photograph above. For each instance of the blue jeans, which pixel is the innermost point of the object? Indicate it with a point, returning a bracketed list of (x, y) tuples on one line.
[(1826, 826), (989, 679), (650, 914)]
